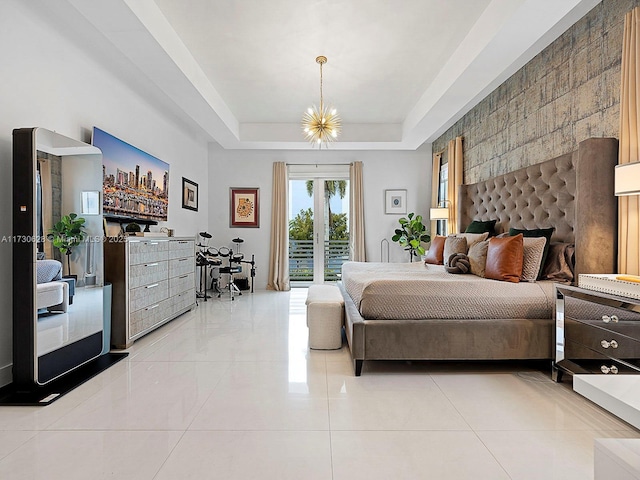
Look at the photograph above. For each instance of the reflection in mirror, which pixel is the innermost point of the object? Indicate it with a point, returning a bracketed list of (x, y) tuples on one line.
[(67, 251), (69, 279)]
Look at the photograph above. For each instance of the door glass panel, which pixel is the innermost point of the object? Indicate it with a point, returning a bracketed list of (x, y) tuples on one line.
[(301, 230), (336, 228), (318, 229)]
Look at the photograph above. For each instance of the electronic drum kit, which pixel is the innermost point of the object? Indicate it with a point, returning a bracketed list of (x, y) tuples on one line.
[(213, 257)]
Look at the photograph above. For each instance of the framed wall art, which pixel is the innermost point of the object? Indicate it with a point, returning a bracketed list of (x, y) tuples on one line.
[(189, 195), (395, 202), (90, 203), (244, 206)]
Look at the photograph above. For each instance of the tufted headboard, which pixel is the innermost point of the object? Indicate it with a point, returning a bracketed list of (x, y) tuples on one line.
[(573, 193)]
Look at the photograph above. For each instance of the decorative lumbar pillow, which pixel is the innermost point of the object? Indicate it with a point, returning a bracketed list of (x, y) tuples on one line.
[(478, 257), (473, 238), (504, 259), (533, 252), (536, 232), (453, 245), (435, 255), (458, 263), (478, 226)]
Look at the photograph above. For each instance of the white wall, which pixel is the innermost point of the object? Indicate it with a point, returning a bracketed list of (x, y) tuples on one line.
[(381, 170), (49, 80)]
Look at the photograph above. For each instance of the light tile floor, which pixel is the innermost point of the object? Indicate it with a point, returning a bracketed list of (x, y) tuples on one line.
[(231, 391)]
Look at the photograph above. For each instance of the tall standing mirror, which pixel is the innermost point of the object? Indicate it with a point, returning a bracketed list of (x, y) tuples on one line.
[(57, 255)]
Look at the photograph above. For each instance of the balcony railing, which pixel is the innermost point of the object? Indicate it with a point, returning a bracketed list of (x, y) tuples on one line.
[(336, 252)]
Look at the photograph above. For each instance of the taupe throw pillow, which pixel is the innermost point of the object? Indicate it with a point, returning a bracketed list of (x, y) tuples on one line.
[(473, 238), (534, 248), (478, 257), (452, 245)]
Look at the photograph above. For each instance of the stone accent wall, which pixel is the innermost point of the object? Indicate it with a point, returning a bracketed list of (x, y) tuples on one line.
[(569, 92)]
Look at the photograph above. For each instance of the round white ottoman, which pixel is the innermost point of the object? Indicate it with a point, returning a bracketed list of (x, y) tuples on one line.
[(325, 316)]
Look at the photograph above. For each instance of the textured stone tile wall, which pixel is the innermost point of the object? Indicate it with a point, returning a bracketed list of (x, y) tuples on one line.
[(569, 92)]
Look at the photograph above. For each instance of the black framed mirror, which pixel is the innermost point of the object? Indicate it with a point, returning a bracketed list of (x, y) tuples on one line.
[(58, 314)]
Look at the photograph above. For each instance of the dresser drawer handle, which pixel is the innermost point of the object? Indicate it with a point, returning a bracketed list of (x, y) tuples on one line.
[(612, 318), (612, 344), (612, 369), (153, 243), (152, 307), (152, 264), (183, 241), (183, 259), (184, 276), (156, 284)]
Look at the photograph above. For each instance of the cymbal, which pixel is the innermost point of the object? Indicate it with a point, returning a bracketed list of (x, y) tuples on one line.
[(237, 240), (205, 234)]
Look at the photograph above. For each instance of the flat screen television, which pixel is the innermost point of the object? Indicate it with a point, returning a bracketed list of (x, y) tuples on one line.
[(135, 185)]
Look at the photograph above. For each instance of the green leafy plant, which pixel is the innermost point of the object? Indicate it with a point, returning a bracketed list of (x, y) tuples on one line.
[(67, 234), (410, 234)]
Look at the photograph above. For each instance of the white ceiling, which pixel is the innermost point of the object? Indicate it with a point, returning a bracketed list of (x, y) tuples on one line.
[(399, 73)]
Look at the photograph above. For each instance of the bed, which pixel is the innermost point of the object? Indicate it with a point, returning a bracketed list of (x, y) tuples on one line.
[(418, 312)]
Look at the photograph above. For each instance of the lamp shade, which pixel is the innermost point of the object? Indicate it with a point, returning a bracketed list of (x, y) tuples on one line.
[(627, 179), (440, 213)]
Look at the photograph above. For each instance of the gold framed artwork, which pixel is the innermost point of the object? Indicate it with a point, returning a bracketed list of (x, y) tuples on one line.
[(244, 207)]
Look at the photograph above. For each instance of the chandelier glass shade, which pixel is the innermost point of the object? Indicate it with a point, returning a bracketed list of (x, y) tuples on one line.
[(321, 125)]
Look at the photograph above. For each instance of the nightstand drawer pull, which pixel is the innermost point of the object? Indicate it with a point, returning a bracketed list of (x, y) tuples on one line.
[(151, 265), (612, 344), (612, 318), (612, 369), (156, 284)]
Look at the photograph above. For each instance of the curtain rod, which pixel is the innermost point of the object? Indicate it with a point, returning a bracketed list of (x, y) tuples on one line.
[(316, 164)]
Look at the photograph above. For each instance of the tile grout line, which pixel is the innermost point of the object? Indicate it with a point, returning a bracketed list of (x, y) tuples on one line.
[(470, 427)]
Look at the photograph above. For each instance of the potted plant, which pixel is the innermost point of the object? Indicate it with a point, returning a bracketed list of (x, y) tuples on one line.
[(67, 234), (410, 234)]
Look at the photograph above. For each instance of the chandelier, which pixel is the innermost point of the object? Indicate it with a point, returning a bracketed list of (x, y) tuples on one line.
[(321, 125)]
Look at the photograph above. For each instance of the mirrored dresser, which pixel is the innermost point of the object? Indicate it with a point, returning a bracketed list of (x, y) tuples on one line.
[(597, 340)]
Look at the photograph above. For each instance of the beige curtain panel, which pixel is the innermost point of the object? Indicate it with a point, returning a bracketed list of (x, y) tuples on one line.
[(629, 149), (455, 180), (279, 248), (435, 183), (357, 248)]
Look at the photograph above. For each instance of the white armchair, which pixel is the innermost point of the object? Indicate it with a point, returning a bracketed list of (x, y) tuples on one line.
[(53, 296)]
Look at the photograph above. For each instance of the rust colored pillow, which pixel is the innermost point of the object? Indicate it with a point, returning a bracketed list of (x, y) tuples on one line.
[(504, 259), (435, 255)]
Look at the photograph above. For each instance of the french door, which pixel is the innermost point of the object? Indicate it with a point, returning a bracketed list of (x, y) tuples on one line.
[(318, 222)]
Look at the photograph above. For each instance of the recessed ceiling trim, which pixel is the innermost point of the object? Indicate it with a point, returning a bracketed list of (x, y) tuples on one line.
[(507, 35)]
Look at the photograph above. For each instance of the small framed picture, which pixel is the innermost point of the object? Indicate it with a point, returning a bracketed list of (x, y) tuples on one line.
[(91, 203), (189, 195), (244, 207), (395, 202)]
